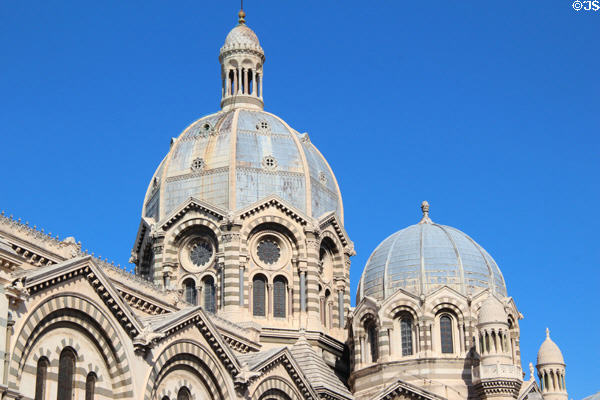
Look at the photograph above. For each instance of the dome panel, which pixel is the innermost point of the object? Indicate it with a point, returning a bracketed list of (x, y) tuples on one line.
[(404, 262), (269, 160), (424, 257)]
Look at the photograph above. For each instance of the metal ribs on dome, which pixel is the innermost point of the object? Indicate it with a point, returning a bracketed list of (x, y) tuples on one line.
[(424, 257), (247, 155)]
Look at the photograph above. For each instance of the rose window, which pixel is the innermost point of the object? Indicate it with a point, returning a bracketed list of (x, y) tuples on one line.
[(200, 253), (268, 251)]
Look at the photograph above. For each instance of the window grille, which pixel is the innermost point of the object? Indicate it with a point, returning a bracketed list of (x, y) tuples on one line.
[(406, 333), (189, 288), (279, 295), (258, 297), (209, 295), (66, 374), (446, 334)]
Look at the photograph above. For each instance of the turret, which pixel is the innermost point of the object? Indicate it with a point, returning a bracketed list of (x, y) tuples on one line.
[(496, 376), (242, 60), (551, 370)]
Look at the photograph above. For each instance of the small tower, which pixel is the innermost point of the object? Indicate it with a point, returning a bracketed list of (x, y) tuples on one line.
[(551, 370), (242, 60), (496, 376)]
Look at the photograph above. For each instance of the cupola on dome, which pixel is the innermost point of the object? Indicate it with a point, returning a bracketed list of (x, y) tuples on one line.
[(242, 154), (243, 35), (427, 256)]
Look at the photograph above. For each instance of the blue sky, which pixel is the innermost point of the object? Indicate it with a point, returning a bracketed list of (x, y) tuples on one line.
[(487, 110)]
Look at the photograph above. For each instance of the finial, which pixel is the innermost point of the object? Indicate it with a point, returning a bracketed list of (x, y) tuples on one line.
[(547, 333), (425, 209), (531, 376), (242, 14)]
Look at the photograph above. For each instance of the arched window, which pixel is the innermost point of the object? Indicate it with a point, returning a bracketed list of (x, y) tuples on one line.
[(406, 335), (90, 386), (279, 296), (184, 394), (40, 378), (66, 374), (165, 398), (372, 333), (258, 296), (208, 288), (326, 310), (446, 334), (189, 288)]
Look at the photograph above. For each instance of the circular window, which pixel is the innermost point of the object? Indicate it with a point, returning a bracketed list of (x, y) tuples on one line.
[(269, 162), (262, 126), (197, 253), (197, 164), (268, 251), (200, 253)]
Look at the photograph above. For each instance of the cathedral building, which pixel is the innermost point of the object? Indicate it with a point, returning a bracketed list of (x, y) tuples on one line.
[(241, 287)]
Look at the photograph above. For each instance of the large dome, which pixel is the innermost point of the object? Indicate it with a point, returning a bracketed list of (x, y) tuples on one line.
[(426, 256), (232, 159)]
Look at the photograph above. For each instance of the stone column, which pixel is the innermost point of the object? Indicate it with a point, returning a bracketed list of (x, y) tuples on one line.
[(239, 81), (241, 286), (246, 83), (254, 75), (261, 87)]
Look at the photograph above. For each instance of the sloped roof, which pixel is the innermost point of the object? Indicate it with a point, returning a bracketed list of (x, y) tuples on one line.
[(320, 375), (257, 358)]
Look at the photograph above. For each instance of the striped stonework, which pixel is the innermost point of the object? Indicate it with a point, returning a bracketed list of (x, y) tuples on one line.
[(275, 388), (192, 355), (80, 314)]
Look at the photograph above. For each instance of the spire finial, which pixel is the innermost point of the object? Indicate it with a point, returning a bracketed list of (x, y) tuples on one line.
[(425, 209), (242, 14), (531, 375), (547, 333)]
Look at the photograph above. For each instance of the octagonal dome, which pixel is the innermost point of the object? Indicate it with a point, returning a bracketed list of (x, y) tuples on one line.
[(424, 257), (235, 158)]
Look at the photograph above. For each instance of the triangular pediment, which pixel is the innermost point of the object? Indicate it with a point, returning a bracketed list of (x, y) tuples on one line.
[(192, 203), (402, 390), (446, 291), (46, 278), (267, 360), (529, 388), (276, 202), (367, 304), (333, 220), (165, 326), (145, 226)]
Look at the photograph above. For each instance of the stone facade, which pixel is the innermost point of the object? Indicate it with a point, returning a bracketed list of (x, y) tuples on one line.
[(241, 286)]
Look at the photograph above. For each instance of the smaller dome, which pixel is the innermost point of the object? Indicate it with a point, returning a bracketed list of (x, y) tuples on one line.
[(492, 311), (242, 35), (549, 352)]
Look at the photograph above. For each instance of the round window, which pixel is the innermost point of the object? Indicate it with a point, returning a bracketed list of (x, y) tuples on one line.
[(197, 253), (200, 253), (268, 251)]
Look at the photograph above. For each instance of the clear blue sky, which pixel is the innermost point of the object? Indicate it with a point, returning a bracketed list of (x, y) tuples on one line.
[(488, 110)]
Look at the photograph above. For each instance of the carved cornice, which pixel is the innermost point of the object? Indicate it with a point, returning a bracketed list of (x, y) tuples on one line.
[(275, 203)]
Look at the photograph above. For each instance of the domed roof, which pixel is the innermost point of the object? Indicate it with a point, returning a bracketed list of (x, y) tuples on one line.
[(243, 35), (492, 310), (549, 352), (426, 256), (235, 158)]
